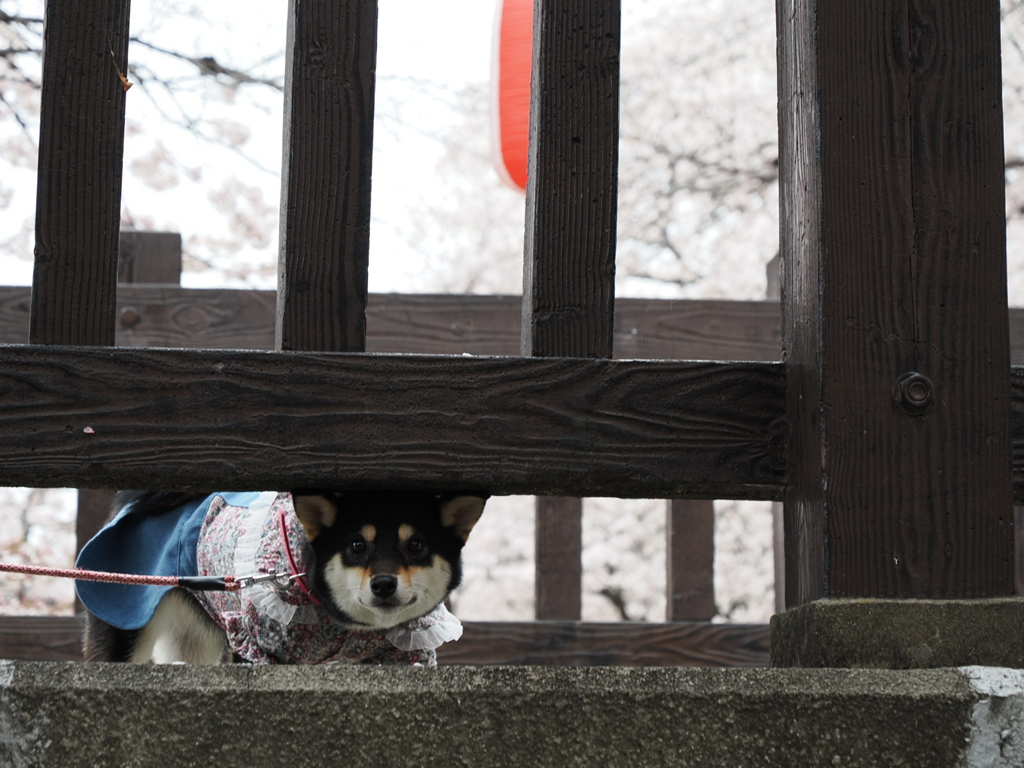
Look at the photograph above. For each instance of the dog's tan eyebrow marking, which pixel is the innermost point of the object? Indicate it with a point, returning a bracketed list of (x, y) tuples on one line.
[(405, 532), (369, 532)]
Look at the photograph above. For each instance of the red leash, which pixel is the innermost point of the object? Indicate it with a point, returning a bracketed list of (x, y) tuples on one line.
[(298, 578), (281, 581)]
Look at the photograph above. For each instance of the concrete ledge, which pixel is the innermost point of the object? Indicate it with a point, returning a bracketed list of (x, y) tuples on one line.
[(54, 714), (900, 634)]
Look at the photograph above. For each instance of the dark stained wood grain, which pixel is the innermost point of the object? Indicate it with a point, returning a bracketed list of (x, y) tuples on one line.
[(569, 261), (779, 555), (894, 262), (15, 307), (437, 324), (558, 563), (569, 264), (41, 638), (1017, 426), (454, 324), (243, 420), (773, 273), (149, 257), (567, 643), (58, 638), (1018, 521), (325, 191), (200, 318), (800, 235), (698, 330), (94, 507), (81, 145), (227, 319), (690, 560)]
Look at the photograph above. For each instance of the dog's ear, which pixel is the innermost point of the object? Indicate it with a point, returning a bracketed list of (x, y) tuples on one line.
[(316, 512), (460, 513)]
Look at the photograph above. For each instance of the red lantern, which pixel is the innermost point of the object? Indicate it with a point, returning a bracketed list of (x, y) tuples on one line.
[(513, 68)]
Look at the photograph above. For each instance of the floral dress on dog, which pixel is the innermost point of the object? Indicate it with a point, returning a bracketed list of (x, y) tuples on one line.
[(266, 625), (242, 534)]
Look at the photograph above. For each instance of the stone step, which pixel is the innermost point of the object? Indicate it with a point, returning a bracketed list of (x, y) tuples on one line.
[(66, 714)]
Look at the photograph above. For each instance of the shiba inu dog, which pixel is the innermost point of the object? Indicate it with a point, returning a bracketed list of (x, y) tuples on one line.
[(362, 576)]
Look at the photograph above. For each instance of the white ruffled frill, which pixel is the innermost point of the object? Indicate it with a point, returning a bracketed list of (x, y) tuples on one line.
[(427, 632)]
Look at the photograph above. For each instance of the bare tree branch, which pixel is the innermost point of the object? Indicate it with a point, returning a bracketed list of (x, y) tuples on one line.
[(24, 20), (208, 66)]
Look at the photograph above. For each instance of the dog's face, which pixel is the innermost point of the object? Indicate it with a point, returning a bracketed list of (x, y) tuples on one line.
[(385, 557)]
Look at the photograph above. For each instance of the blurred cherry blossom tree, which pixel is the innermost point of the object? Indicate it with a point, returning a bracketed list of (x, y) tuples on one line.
[(698, 187)]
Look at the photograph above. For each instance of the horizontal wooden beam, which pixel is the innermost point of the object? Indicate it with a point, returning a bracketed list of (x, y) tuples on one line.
[(262, 419), (621, 644), (146, 418), (169, 316), (41, 638), (58, 638)]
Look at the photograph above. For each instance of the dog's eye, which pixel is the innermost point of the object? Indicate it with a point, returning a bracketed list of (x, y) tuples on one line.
[(358, 546), (416, 546)]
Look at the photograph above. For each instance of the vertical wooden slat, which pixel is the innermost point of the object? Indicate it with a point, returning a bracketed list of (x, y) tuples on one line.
[(558, 558), (93, 511), (799, 236), (691, 560), (569, 265), (149, 257), (1018, 521), (81, 146), (773, 292), (569, 272), (779, 555), (893, 245), (325, 195)]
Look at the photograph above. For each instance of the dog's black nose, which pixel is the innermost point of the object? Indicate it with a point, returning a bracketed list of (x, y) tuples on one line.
[(383, 586)]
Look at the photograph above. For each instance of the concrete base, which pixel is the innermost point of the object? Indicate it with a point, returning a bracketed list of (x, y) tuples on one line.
[(54, 714), (900, 634)]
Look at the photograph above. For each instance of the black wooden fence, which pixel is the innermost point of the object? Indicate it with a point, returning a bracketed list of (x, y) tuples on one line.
[(160, 313), (887, 430)]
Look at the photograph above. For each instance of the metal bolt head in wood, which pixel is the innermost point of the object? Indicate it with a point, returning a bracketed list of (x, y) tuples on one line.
[(914, 393), (130, 317)]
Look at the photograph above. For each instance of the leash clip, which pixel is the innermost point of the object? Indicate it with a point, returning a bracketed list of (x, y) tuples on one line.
[(279, 580)]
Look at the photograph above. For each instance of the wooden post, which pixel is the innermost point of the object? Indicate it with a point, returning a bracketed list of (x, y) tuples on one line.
[(1018, 521), (558, 558), (690, 560), (569, 264), (93, 512), (81, 146), (773, 273), (149, 257), (571, 197), (894, 300), (325, 187)]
